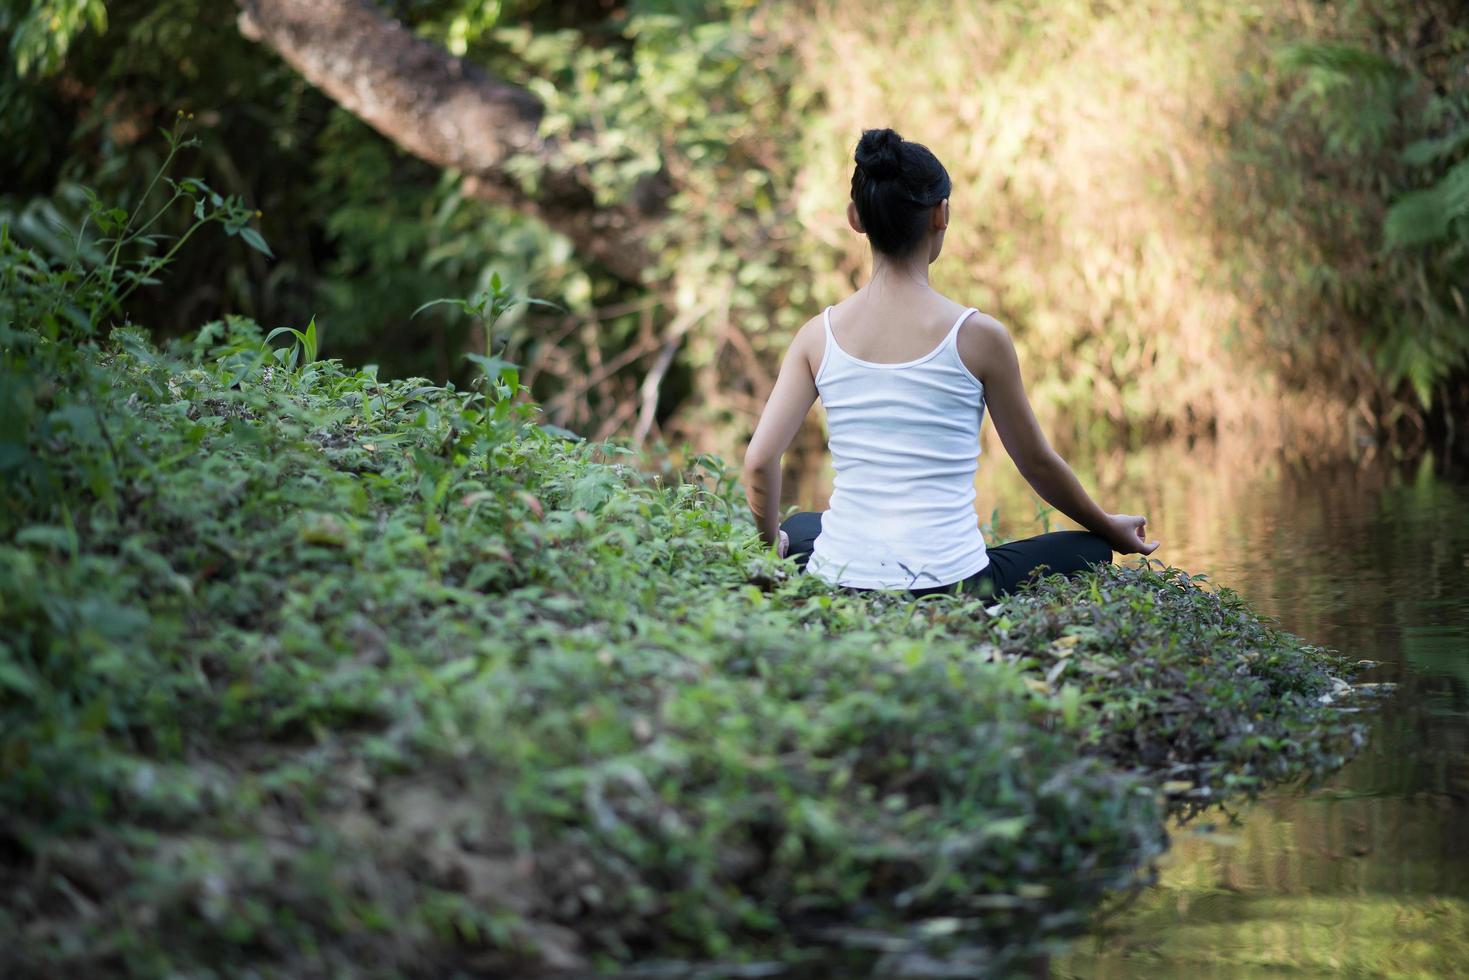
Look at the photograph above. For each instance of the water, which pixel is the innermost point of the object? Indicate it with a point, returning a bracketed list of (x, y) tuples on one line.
[(1368, 874)]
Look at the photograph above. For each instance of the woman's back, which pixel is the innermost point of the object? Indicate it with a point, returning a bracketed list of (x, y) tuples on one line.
[(904, 440), (904, 409), (892, 323)]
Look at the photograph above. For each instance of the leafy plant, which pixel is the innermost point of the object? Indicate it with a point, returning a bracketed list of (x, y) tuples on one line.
[(1396, 129), (488, 306), (40, 36), (106, 266), (303, 351)]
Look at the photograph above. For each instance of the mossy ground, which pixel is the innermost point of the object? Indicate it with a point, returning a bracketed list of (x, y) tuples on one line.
[(309, 673)]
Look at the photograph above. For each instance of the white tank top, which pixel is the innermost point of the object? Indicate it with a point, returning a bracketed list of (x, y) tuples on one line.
[(904, 443)]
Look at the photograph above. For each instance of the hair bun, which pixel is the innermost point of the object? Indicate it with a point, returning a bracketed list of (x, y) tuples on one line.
[(877, 153)]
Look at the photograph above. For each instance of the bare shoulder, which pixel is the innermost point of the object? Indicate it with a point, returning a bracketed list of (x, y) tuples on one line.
[(982, 342), (980, 329), (809, 343), (812, 328)]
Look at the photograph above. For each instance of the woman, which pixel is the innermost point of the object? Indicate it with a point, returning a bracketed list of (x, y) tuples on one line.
[(905, 374)]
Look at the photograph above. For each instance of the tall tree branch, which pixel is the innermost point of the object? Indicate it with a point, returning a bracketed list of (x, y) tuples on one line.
[(450, 113)]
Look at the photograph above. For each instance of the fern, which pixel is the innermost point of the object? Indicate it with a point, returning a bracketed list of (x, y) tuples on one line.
[(1428, 216), (1401, 135), (1421, 153), (1352, 92), (1341, 60)]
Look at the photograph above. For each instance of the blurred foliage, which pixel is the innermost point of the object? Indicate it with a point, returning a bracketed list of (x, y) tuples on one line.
[(1179, 207), (1194, 216), (1397, 135), (310, 671), (41, 31), (1387, 92)]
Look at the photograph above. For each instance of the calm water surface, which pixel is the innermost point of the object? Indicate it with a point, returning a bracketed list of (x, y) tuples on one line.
[(1366, 875)]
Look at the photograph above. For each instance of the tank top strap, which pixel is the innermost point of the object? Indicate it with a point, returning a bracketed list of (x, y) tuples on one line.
[(952, 343), (953, 338), (830, 344)]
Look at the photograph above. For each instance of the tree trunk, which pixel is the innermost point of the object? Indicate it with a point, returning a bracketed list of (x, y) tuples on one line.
[(450, 113)]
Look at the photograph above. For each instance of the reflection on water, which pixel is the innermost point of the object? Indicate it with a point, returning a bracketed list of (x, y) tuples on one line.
[(1367, 875)]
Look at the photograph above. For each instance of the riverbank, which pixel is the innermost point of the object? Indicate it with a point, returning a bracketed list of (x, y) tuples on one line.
[(310, 672)]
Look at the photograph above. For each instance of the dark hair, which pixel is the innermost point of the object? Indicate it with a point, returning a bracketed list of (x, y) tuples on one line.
[(896, 183)]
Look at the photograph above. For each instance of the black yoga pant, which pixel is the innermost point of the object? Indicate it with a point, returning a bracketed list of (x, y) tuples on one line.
[(1056, 553)]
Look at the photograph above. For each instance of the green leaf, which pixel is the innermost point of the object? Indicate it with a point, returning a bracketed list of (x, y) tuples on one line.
[(493, 367), (280, 330), (255, 241), (1426, 216), (435, 302), (1007, 829), (1423, 152), (12, 676), (1345, 60), (47, 535), (593, 490), (1070, 698), (309, 341)]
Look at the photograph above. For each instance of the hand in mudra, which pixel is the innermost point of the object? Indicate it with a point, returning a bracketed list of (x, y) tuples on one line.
[(1128, 535)]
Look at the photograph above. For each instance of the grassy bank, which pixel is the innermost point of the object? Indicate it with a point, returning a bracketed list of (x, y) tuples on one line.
[(305, 671)]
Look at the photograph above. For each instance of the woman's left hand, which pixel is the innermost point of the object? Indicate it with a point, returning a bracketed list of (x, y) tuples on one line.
[(1129, 535), (783, 546)]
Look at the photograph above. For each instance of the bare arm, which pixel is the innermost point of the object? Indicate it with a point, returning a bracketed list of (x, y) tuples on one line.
[(987, 350), (790, 400)]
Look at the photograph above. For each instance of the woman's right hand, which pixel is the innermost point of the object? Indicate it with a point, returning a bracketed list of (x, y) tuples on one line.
[(1128, 535)]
